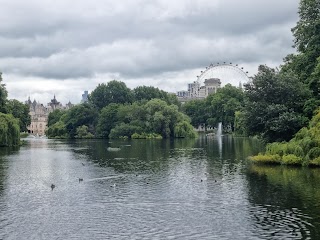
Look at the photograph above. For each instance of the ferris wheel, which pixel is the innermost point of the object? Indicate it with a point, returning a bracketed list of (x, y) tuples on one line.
[(226, 72)]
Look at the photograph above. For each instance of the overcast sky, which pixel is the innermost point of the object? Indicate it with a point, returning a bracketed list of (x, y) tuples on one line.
[(64, 47)]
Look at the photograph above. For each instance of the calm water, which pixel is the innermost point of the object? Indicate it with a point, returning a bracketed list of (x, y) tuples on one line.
[(153, 189)]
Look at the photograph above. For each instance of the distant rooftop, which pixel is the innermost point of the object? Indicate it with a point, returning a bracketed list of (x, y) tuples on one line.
[(212, 80)]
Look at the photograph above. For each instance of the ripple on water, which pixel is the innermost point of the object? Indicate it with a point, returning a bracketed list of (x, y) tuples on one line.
[(273, 222)]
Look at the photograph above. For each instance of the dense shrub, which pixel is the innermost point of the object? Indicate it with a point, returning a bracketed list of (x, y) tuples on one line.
[(266, 158), (303, 149)]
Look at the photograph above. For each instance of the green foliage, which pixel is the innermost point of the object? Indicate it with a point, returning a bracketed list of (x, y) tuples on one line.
[(144, 120), (124, 131), (274, 105), (3, 96), (55, 116), (197, 111), (313, 153), (113, 92), (291, 159), (303, 149), (107, 120), (82, 132), (9, 130), (184, 129), (70, 120), (224, 104), (148, 92), (57, 130), (20, 111), (266, 158), (217, 107), (239, 123), (82, 114), (315, 162), (307, 41), (146, 136)]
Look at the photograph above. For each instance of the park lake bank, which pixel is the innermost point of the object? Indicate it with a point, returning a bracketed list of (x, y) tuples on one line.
[(200, 188)]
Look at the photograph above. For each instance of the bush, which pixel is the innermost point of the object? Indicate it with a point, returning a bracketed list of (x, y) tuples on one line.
[(276, 148), (261, 158), (313, 153), (291, 159), (315, 162), (184, 129), (146, 136), (124, 130)]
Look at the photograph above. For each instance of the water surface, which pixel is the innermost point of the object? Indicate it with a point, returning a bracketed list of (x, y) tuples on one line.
[(153, 189)]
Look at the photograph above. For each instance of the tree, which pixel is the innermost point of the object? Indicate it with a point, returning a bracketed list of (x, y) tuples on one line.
[(3, 95), (55, 116), (9, 130), (197, 111), (113, 92), (82, 132), (79, 115), (274, 105), (20, 111), (224, 104), (307, 43), (163, 118), (57, 130), (184, 129), (107, 120), (149, 92)]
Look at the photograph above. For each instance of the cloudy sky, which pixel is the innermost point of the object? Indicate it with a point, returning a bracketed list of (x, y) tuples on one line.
[(64, 47)]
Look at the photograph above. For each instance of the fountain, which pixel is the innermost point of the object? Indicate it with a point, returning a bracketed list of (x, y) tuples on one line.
[(219, 130)]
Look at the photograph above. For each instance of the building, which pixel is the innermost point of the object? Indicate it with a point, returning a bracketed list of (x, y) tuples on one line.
[(39, 115), (39, 118), (196, 91), (211, 85), (84, 97)]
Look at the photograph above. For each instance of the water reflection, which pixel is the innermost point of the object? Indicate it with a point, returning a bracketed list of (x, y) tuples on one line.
[(286, 200)]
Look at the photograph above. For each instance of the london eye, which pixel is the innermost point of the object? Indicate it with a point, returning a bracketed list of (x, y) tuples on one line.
[(226, 72)]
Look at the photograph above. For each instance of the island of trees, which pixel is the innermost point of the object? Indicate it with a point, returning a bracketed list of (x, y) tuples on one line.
[(115, 111)]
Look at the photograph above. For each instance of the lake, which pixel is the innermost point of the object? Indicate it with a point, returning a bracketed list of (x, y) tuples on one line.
[(201, 188)]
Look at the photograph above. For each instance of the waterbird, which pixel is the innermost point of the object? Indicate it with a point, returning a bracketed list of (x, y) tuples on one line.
[(114, 185), (80, 179), (83, 164), (52, 186)]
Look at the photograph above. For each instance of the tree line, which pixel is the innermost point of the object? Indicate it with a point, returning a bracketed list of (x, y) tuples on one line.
[(115, 111)]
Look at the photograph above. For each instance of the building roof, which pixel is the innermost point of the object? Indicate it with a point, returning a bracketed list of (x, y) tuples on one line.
[(212, 80)]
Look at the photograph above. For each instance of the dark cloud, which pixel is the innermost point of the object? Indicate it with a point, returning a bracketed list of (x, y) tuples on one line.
[(140, 39)]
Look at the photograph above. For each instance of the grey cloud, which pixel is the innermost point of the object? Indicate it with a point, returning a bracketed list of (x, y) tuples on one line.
[(137, 39)]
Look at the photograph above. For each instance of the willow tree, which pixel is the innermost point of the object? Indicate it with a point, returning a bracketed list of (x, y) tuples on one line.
[(9, 130)]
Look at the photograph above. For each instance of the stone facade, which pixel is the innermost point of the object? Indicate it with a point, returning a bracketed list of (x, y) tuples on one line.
[(39, 115)]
